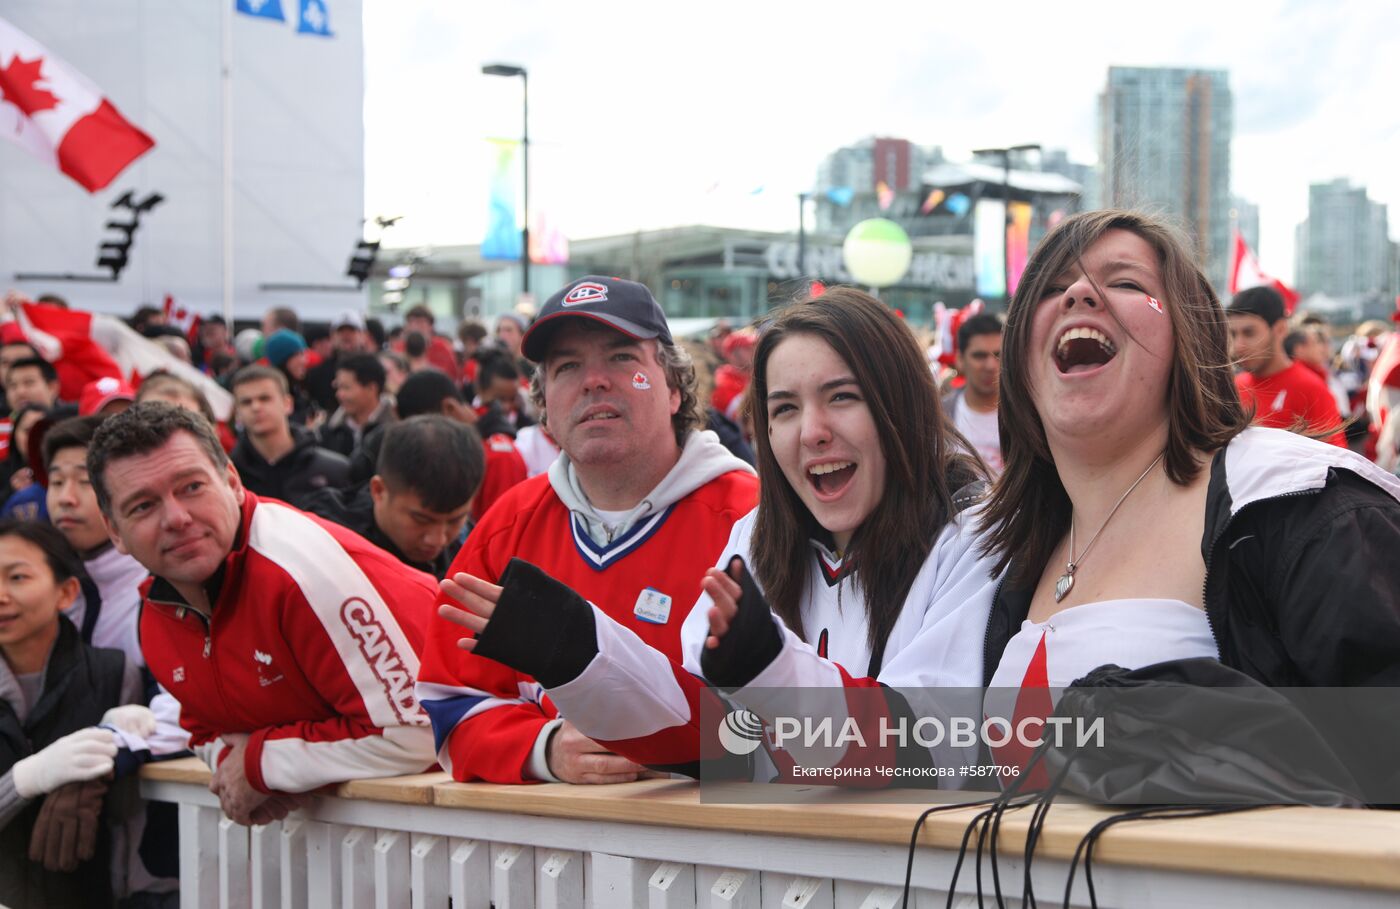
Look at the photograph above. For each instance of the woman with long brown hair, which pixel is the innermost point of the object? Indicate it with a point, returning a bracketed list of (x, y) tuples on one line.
[(859, 545), (1140, 518)]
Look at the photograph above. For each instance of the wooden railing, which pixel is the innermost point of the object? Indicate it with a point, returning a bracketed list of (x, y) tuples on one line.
[(420, 841)]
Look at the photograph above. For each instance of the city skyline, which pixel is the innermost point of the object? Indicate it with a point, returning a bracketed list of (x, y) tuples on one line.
[(633, 127)]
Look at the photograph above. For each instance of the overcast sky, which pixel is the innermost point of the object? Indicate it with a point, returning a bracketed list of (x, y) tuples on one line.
[(638, 109)]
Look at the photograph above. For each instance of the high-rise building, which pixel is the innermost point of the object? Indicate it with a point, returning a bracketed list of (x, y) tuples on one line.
[(1344, 247), (1164, 140), (1056, 161), (1244, 216)]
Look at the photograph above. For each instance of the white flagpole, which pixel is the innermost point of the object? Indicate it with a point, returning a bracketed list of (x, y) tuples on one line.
[(226, 79)]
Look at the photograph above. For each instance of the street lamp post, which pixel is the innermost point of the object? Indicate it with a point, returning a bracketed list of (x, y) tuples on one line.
[(1006, 205), (802, 235), (507, 69)]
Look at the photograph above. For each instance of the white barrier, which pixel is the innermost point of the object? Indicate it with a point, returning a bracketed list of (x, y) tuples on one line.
[(422, 841)]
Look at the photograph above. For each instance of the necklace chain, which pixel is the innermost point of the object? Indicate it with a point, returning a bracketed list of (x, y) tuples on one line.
[(1067, 580)]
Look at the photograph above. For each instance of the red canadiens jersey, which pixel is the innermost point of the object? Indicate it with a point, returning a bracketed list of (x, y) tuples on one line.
[(504, 468), (486, 717), (312, 649)]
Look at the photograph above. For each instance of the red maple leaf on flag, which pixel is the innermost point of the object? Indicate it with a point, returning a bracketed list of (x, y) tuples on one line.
[(18, 85)]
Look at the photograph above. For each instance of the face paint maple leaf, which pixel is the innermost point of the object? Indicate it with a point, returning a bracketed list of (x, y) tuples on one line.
[(18, 86)]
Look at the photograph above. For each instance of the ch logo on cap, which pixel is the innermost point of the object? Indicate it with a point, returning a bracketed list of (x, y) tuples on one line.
[(587, 292)]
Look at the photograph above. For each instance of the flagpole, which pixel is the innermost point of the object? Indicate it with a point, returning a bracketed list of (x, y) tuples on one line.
[(226, 79)]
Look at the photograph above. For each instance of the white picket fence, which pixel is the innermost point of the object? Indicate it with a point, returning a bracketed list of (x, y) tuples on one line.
[(426, 842)]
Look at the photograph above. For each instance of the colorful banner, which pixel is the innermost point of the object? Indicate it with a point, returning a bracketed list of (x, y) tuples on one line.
[(1018, 242), (502, 229), (988, 239), (548, 245)]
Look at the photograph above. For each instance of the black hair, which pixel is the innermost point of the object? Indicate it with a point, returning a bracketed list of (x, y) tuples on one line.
[(63, 561), (143, 315), (423, 393), (366, 369), (1291, 342), (141, 430), (376, 331), (76, 432), (414, 344), (472, 330), (980, 324), (440, 460), (46, 369), (496, 365)]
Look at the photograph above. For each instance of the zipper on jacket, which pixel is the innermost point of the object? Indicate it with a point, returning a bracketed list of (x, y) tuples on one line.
[(987, 634), (1210, 552), (180, 612)]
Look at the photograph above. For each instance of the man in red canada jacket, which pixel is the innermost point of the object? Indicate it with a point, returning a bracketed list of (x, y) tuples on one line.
[(291, 644)]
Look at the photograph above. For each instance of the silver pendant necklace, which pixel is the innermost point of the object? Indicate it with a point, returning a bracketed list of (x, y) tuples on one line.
[(1066, 581)]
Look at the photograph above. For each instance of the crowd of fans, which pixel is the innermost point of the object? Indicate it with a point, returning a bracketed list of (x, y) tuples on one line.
[(405, 549)]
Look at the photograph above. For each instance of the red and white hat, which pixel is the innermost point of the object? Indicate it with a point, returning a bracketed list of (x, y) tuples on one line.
[(98, 393)]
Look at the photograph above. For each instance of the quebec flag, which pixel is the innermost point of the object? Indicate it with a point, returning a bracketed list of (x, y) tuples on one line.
[(263, 9), (314, 19)]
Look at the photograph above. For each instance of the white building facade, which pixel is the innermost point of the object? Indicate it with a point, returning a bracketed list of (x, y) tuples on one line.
[(294, 141)]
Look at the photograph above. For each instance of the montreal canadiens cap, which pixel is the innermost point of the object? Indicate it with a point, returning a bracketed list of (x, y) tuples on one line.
[(624, 305)]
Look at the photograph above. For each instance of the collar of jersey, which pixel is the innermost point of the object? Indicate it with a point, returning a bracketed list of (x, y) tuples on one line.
[(600, 557), (832, 566)]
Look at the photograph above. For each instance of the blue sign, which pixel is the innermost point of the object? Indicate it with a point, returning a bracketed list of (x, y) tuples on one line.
[(263, 9), (314, 19)]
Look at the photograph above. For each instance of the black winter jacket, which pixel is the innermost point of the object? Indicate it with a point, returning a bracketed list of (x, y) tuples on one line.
[(302, 471), (80, 684), (1302, 553)]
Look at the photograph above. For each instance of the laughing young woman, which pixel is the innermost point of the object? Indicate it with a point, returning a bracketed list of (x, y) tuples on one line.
[(858, 544), (1140, 518)]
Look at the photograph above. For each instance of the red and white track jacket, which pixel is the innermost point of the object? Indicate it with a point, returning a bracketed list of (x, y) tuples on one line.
[(312, 650)]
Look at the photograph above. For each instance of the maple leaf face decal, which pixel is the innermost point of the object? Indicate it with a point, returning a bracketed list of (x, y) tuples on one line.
[(19, 86)]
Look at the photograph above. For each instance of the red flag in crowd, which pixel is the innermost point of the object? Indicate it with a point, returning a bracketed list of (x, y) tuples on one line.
[(59, 116), (1245, 272), (64, 337), (180, 317)]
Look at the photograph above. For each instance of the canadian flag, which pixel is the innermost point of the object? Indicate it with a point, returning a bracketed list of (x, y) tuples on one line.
[(64, 337), (1245, 272), (60, 117), (180, 317)]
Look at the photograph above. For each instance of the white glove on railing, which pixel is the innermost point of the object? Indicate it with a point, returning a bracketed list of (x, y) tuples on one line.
[(134, 719), (77, 757)]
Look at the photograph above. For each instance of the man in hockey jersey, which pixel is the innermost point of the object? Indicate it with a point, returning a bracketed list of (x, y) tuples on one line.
[(291, 643), (631, 515)]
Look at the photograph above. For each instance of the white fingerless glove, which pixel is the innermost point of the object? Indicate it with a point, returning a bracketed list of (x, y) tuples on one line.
[(79, 756)]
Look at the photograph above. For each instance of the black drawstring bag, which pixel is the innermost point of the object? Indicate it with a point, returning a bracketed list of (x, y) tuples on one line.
[(1194, 732), (1184, 738)]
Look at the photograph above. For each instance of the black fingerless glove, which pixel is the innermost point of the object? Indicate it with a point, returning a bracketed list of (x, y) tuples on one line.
[(752, 642), (540, 627)]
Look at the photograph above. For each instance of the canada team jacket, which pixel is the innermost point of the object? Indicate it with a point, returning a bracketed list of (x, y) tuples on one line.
[(312, 650), (487, 716)]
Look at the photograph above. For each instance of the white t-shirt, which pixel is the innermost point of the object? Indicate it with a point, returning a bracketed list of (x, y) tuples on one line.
[(981, 430)]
